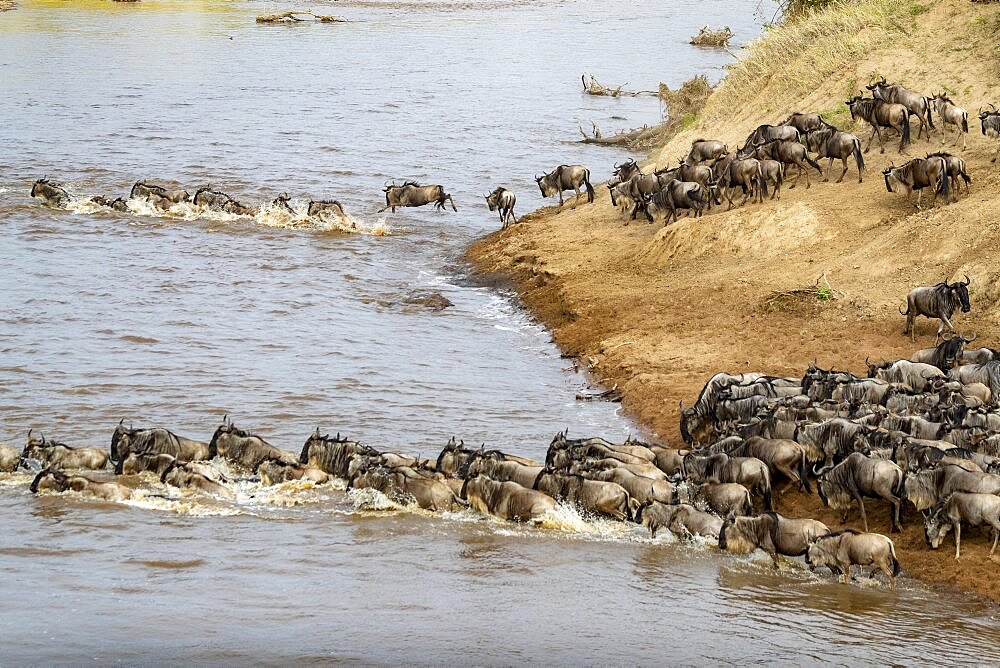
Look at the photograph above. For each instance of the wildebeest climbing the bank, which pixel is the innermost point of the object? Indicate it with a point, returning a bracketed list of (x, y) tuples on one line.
[(937, 301)]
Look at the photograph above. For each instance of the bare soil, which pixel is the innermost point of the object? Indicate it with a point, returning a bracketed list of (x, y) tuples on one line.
[(657, 310)]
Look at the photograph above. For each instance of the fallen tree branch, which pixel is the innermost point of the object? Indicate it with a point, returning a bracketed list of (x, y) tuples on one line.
[(623, 138), (293, 17), (614, 394), (595, 87), (708, 37)]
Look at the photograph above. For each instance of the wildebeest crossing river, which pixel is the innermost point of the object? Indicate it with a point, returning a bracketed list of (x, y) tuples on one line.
[(177, 322)]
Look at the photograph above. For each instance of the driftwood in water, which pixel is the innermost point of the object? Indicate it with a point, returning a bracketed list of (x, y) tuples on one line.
[(614, 395), (707, 37), (595, 87), (293, 17), (624, 138)]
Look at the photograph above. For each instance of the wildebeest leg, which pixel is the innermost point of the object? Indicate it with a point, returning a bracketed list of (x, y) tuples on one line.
[(829, 169), (996, 537), (576, 200), (870, 138), (958, 538), (945, 322), (864, 515), (453, 207), (805, 169), (560, 198), (843, 173)]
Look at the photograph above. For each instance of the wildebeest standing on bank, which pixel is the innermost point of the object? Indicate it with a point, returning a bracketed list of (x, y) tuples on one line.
[(705, 150), (915, 103), (917, 174), (955, 170), (829, 142), (952, 115), (973, 509), (503, 201), (50, 193), (937, 301), (566, 177), (788, 153), (858, 477), (411, 193), (990, 122), (804, 122), (881, 114)]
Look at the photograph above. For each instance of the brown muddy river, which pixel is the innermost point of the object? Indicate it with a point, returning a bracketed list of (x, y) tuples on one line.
[(179, 319)]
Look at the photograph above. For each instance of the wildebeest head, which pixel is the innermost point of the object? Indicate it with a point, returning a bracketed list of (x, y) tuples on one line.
[(990, 120), (37, 185), (226, 428), (548, 184), (874, 368), (936, 527), (854, 101), (493, 199), (961, 291)]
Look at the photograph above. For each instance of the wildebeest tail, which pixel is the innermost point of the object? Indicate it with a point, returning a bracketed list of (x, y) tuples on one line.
[(943, 185), (38, 478), (895, 562), (632, 508), (804, 473), (906, 129), (965, 122), (930, 115), (858, 155), (762, 182), (590, 188), (768, 503)]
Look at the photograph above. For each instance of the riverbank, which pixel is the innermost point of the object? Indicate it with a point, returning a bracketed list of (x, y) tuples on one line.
[(816, 275)]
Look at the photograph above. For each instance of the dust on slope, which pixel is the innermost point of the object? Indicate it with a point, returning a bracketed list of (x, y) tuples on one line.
[(659, 310)]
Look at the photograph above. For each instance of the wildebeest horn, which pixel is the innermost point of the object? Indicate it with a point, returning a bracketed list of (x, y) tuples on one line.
[(974, 337), (967, 279), (821, 471), (121, 422)]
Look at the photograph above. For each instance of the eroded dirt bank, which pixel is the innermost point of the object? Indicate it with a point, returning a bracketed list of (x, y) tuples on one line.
[(657, 310)]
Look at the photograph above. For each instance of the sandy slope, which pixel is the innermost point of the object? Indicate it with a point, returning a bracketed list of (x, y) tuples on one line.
[(658, 310)]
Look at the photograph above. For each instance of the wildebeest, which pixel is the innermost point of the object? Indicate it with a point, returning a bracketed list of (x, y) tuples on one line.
[(213, 200), (403, 484), (829, 142), (744, 173), (773, 533), (332, 455), (243, 448), (495, 466), (10, 458), (56, 481), (322, 208), (946, 355), (624, 172), (989, 120), (881, 114), (594, 496), (766, 133), (675, 195), (640, 488), (118, 204), (926, 489), (917, 174), (842, 549), (50, 193), (182, 474), (502, 201), (411, 194), (507, 500), (804, 122), (955, 170), (566, 177), (987, 373), (137, 462), (53, 454), (858, 477), (979, 355), (936, 301), (781, 455), (919, 377), (154, 440), (275, 471), (915, 103), (788, 153), (972, 509), (951, 115), (773, 172), (696, 420), (158, 196), (282, 201), (721, 498), (748, 471), (683, 520), (704, 150)]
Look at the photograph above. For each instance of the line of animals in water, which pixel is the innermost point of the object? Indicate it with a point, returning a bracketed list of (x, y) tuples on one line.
[(923, 431), (702, 178)]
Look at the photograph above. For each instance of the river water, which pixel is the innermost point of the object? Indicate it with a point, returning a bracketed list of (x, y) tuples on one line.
[(177, 320)]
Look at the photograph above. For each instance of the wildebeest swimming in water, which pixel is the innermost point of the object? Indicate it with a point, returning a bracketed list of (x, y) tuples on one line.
[(507, 500), (10, 458), (411, 193), (50, 193), (243, 448), (52, 453), (183, 474), (566, 177), (57, 481), (154, 440), (275, 471), (771, 532), (213, 200), (119, 204), (683, 520), (937, 301), (158, 196)]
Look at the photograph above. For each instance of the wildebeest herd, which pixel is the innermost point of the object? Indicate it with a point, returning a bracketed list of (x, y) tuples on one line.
[(921, 433)]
